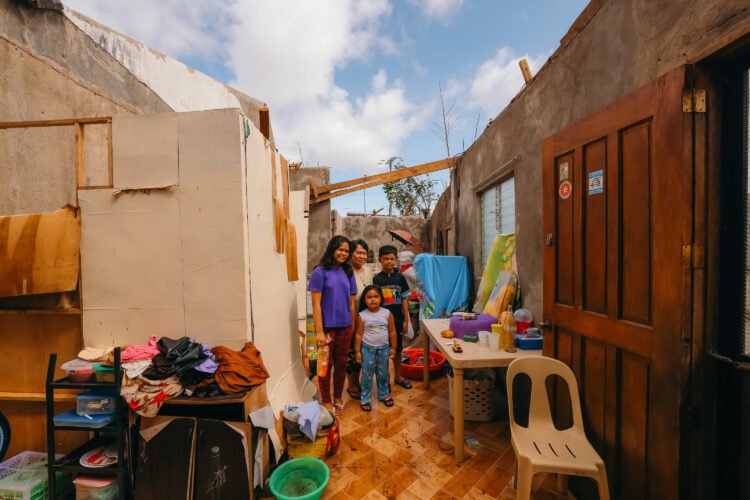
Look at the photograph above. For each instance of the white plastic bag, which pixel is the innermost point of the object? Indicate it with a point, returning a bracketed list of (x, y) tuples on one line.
[(409, 333)]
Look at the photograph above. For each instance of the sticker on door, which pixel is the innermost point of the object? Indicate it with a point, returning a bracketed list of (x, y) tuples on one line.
[(596, 182), (566, 189)]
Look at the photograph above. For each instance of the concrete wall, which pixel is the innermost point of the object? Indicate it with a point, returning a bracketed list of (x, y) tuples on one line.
[(320, 229), (625, 45), (374, 230), (437, 228)]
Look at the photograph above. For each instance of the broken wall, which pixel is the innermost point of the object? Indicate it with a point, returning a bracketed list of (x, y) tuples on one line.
[(320, 229), (374, 230)]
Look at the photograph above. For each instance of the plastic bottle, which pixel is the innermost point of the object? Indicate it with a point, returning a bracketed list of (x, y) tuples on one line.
[(508, 336), (323, 361)]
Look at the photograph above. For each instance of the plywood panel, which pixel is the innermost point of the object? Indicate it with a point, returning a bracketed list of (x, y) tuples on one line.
[(212, 227), (39, 253), (275, 335), (564, 234), (595, 228), (145, 150), (635, 195), (96, 155), (27, 344), (131, 266)]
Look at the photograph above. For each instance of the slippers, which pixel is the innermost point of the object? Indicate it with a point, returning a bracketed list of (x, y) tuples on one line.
[(388, 401), (338, 407), (353, 395), (403, 383), (365, 406)]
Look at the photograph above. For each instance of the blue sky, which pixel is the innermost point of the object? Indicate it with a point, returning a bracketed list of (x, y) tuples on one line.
[(353, 82)]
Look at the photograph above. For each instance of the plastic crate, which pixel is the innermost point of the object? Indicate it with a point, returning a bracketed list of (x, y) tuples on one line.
[(480, 398), (24, 477)]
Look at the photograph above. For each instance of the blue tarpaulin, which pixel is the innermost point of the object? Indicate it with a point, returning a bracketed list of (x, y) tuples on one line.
[(443, 281)]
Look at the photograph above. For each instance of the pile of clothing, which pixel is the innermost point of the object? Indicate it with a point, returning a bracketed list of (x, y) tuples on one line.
[(166, 368)]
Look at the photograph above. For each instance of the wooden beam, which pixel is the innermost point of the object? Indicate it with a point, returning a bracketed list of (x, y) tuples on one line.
[(80, 157), (314, 191), (285, 185), (525, 70), (56, 123), (35, 396), (264, 120), (333, 190), (402, 173)]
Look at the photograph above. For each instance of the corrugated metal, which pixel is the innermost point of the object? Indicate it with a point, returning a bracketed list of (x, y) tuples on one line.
[(498, 214)]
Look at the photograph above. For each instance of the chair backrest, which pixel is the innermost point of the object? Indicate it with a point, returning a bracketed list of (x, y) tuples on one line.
[(538, 368)]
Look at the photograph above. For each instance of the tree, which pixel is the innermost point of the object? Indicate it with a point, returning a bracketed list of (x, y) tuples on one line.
[(413, 195)]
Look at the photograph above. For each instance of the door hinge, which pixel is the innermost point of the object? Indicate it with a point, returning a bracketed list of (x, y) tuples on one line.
[(694, 101), (692, 256)]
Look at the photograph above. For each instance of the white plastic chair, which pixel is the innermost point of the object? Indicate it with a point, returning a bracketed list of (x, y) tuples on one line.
[(541, 447)]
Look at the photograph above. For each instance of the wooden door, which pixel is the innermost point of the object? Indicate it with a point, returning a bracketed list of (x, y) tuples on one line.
[(618, 209)]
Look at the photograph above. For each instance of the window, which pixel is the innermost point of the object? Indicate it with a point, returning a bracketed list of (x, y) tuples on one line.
[(498, 214)]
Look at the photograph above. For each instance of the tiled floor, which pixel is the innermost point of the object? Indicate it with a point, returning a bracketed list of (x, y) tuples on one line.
[(407, 452)]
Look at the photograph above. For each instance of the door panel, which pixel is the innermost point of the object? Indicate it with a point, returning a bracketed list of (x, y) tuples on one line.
[(614, 284)]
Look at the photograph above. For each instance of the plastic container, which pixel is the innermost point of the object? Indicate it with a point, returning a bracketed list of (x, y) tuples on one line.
[(524, 319), (300, 479), (104, 373), (95, 403), (79, 370), (24, 477), (71, 419), (416, 371), (495, 337), (95, 488), (480, 404)]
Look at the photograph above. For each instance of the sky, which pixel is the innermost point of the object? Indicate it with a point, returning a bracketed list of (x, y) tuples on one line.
[(351, 83)]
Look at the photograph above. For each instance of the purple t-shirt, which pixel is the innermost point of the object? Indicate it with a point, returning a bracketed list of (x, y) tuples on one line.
[(336, 289)]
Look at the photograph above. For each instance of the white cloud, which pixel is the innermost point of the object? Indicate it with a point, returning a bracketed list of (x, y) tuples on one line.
[(499, 79), (286, 53), (438, 9)]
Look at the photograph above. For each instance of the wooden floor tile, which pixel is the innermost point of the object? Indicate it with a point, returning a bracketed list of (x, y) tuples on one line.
[(508, 460), (442, 495), (494, 481), (397, 483), (361, 486), (462, 481), (483, 459)]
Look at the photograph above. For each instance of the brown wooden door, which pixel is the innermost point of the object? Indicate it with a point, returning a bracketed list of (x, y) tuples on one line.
[(615, 288)]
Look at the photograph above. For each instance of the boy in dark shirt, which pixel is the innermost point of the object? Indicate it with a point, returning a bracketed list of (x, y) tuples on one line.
[(395, 290)]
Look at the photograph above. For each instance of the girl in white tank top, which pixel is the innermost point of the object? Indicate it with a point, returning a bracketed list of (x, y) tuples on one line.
[(374, 345)]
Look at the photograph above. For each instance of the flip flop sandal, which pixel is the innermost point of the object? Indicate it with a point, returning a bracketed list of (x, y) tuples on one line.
[(354, 395), (403, 383), (365, 406), (338, 407), (388, 401)]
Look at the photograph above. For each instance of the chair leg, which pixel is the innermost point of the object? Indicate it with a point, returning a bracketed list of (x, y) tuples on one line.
[(562, 483), (601, 481), (524, 475), (515, 477)]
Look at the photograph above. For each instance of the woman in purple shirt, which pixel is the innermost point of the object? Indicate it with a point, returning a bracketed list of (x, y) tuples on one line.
[(333, 288)]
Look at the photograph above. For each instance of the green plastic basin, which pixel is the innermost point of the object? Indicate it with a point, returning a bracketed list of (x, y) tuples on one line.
[(300, 479)]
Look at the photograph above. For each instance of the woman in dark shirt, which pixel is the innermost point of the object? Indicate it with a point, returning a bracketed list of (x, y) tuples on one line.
[(333, 288)]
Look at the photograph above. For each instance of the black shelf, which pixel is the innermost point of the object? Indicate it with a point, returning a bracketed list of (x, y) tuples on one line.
[(71, 461), (63, 383), (117, 431), (111, 427)]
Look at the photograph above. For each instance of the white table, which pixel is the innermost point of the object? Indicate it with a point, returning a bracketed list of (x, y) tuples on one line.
[(473, 356)]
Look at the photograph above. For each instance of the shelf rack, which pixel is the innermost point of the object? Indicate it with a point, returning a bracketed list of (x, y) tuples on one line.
[(116, 431)]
